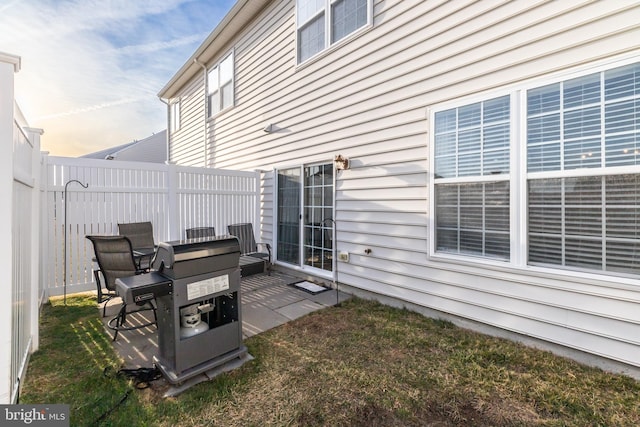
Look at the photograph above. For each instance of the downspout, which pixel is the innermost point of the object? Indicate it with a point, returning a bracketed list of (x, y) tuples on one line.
[(168, 127), (206, 108)]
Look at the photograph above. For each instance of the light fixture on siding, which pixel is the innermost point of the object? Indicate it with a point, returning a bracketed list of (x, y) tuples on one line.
[(340, 162), (268, 128)]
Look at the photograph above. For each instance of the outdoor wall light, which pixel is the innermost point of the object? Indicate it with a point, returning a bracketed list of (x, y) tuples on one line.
[(340, 162), (268, 128)]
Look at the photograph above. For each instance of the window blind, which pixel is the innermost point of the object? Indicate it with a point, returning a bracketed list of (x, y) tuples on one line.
[(586, 222)]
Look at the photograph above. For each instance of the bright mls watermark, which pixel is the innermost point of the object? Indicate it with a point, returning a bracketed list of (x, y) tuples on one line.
[(34, 415)]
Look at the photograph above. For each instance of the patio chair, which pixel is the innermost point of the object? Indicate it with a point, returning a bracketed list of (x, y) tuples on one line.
[(141, 236), (114, 255), (248, 245), (199, 232), (105, 294)]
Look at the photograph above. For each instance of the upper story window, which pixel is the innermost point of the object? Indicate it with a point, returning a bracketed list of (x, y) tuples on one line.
[(174, 116), (220, 83), (321, 23)]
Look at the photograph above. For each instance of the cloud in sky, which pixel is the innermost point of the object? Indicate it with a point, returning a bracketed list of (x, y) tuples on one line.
[(91, 69)]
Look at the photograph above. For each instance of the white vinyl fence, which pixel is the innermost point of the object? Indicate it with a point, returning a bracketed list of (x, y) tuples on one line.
[(44, 232), (172, 197), (19, 248)]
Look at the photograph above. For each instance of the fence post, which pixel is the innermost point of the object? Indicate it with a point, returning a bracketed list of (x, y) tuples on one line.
[(34, 136), (45, 223), (257, 213), (9, 65), (172, 201)]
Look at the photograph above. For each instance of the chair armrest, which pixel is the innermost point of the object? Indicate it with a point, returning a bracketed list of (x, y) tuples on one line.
[(268, 246)]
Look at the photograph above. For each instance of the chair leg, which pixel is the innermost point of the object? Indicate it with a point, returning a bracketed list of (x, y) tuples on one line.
[(267, 266), (120, 319), (117, 322), (96, 274)]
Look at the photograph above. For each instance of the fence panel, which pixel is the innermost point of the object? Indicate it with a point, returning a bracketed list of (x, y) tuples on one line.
[(214, 197), (24, 291), (172, 197)]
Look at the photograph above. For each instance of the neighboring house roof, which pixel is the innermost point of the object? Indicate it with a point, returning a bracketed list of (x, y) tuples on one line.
[(241, 14), (152, 149)]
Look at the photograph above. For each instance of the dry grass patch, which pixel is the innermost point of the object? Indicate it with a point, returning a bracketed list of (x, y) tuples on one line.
[(360, 364)]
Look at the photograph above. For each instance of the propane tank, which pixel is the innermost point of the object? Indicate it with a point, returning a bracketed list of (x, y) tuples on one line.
[(191, 322)]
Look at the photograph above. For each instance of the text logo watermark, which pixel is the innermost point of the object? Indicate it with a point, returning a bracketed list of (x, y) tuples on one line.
[(35, 415)]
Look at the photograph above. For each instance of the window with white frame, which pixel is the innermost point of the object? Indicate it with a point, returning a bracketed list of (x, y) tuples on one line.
[(174, 116), (321, 23), (580, 154), (220, 86), (583, 145), (471, 182)]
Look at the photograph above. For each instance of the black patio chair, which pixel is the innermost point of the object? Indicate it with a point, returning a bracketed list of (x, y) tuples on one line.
[(141, 236), (105, 293), (199, 232), (248, 245), (114, 255)]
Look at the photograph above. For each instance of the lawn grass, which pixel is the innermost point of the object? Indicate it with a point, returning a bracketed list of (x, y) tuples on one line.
[(359, 364)]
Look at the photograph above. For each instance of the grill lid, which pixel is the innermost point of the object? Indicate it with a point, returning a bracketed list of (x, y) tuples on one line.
[(182, 258)]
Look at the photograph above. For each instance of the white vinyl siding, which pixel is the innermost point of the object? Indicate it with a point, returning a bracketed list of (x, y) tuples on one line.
[(368, 99), (321, 23), (174, 116), (187, 145)]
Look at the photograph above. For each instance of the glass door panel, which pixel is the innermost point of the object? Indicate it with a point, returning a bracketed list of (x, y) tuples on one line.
[(289, 182), (317, 247), (305, 216)]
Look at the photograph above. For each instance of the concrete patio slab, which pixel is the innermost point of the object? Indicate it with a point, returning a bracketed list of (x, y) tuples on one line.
[(328, 298), (208, 376), (273, 297), (299, 309), (257, 319), (267, 302)]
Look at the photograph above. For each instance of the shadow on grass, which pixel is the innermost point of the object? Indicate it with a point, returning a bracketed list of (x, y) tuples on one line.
[(360, 364)]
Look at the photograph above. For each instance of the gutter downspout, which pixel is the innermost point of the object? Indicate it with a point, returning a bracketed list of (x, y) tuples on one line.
[(206, 108), (168, 127)]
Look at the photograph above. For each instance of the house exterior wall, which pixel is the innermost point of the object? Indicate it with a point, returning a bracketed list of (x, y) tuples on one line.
[(368, 98), (187, 146)]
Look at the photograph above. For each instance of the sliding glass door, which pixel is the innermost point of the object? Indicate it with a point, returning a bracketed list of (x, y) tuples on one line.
[(305, 217), (289, 216)]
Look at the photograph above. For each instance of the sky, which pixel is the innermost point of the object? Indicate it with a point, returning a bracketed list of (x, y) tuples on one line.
[(91, 69)]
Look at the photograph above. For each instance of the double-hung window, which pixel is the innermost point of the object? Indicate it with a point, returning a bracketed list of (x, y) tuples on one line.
[(471, 182), (321, 23), (220, 86), (577, 151), (583, 145)]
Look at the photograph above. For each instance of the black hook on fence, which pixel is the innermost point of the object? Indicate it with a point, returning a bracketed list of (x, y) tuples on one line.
[(65, 235)]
